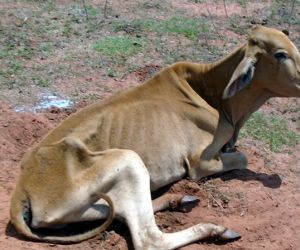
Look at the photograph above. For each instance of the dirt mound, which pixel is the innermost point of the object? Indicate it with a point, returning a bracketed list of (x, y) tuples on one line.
[(19, 131)]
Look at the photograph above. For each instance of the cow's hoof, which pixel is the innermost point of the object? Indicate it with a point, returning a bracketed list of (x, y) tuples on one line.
[(187, 203), (230, 235), (188, 199)]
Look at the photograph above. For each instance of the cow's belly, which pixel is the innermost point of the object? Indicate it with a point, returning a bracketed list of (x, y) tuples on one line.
[(162, 137), (165, 164), (162, 145), (165, 176)]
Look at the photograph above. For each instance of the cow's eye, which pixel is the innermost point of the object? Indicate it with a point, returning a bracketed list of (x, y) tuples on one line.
[(280, 56)]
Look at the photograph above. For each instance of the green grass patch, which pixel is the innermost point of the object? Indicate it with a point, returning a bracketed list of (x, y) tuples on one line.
[(188, 27), (119, 46), (67, 28), (284, 12), (15, 44), (13, 68), (40, 81), (46, 48), (48, 6), (91, 11), (271, 130), (10, 74)]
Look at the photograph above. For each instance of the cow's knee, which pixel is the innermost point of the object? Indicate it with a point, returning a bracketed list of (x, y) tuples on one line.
[(226, 162), (205, 168)]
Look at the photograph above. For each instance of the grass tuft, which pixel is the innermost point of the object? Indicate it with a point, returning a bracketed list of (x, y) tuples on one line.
[(188, 27), (271, 130), (119, 46)]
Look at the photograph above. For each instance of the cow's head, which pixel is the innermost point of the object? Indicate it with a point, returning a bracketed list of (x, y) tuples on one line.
[(271, 61)]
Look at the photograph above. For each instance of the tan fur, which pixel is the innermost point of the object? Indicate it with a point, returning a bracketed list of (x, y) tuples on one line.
[(183, 121)]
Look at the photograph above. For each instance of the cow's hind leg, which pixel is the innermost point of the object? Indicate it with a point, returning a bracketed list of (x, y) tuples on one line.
[(132, 200), (179, 202)]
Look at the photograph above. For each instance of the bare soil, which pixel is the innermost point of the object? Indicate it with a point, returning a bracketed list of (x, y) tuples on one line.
[(262, 203)]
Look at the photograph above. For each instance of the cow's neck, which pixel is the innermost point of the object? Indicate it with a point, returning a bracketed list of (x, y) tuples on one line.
[(211, 80)]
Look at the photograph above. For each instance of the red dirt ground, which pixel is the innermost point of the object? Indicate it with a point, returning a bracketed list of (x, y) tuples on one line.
[(262, 203)]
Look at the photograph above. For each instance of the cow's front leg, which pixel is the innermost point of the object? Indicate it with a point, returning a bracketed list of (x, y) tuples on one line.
[(225, 162), (211, 161), (223, 134)]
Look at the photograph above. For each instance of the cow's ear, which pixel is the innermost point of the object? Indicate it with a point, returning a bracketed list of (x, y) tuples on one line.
[(241, 77)]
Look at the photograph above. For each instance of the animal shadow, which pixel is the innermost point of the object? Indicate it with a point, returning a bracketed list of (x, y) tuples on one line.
[(117, 226), (268, 180)]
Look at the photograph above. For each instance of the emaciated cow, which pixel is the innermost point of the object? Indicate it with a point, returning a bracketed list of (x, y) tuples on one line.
[(104, 161)]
